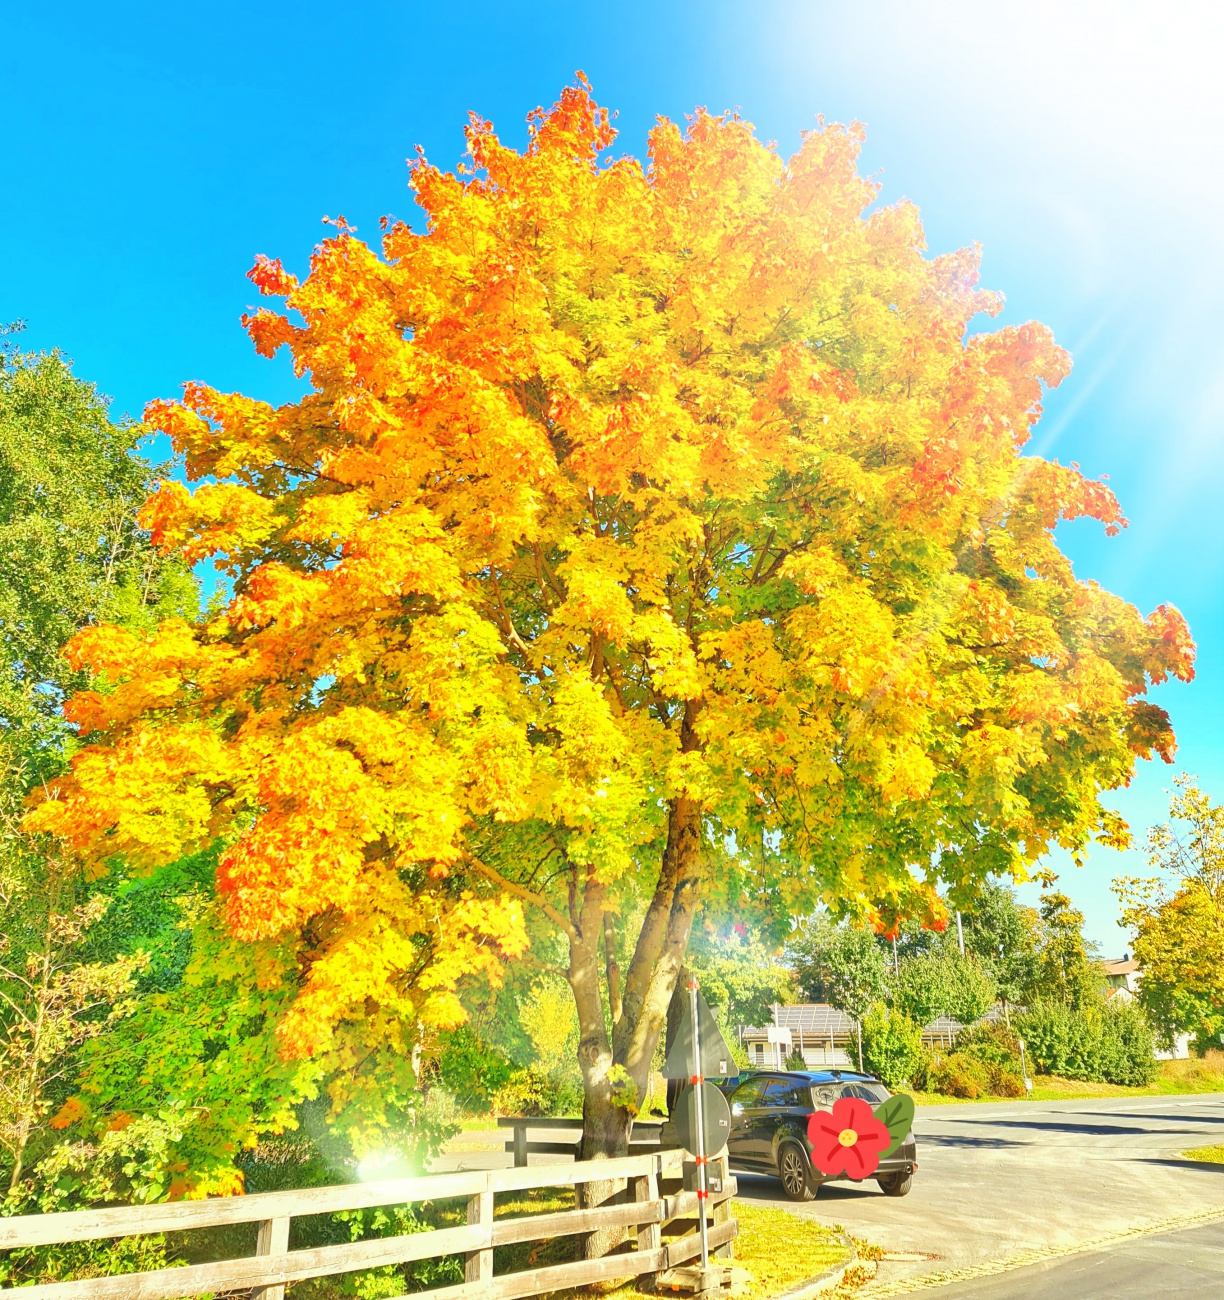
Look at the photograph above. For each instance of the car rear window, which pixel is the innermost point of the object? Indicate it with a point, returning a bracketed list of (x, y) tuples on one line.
[(825, 1094), (872, 1092)]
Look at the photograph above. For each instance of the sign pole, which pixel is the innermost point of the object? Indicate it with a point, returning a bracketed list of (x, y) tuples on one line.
[(698, 1079)]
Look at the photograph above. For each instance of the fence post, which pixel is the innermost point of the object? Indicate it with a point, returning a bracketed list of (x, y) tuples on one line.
[(478, 1266), (722, 1209), (273, 1239), (646, 1188), (520, 1146)]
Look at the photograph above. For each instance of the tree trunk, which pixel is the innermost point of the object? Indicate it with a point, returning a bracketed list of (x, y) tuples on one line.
[(616, 1071)]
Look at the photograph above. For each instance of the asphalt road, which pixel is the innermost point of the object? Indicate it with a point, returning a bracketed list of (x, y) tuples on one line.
[(997, 1180), (1170, 1265)]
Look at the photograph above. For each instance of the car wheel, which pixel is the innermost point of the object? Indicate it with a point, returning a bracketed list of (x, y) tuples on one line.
[(896, 1184), (793, 1171)]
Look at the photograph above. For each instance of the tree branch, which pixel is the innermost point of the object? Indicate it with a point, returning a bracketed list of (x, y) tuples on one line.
[(527, 895)]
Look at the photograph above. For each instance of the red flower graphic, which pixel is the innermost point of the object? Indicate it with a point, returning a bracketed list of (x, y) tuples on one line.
[(848, 1139)]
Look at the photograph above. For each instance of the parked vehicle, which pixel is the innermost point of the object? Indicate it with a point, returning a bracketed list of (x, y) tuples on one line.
[(769, 1119)]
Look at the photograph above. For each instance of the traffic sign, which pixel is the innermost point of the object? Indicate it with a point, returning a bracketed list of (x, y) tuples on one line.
[(716, 1062), (715, 1120)]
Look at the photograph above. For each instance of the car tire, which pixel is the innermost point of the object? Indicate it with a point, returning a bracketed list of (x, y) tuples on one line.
[(795, 1173), (896, 1184)]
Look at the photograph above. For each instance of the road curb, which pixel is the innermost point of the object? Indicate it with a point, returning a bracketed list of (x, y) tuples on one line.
[(1037, 1255), (825, 1281)]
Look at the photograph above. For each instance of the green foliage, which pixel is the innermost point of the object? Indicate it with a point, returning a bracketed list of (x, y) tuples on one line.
[(956, 1075), (1109, 1043), (71, 550), (920, 987), (83, 1259), (1002, 936), (992, 1044), (1064, 970), (1179, 927), (741, 977), (892, 1044), (839, 964), (531, 1091), (942, 982), (470, 1069)]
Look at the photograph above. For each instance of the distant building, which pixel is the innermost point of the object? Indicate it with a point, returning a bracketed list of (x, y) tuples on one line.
[(815, 1031), (1123, 977), (822, 1036)]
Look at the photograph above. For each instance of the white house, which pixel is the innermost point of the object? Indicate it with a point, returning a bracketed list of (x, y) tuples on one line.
[(1123, 977), (815, 1031)]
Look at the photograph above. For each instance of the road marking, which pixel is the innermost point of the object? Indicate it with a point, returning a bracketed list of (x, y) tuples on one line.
[(1037, 1255)]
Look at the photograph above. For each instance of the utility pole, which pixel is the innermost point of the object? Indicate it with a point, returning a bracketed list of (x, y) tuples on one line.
[(960, 935)]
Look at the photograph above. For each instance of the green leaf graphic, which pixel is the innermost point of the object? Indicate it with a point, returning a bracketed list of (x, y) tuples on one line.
[(897, 1115)]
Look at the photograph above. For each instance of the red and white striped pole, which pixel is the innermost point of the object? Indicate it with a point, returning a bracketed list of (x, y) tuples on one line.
[(703, 1194)]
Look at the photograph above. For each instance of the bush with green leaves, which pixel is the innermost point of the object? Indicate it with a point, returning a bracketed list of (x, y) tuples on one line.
[(892, 1045), (991, 1044), (1105, 1043), (531, 1092), (471, 1070)]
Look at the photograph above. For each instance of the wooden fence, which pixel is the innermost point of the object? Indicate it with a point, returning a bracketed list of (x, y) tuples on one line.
[(643, 1205), (643, 1141)]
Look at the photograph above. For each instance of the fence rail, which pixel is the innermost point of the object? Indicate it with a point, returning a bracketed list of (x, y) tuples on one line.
[(642, 1206), (644, 1139)]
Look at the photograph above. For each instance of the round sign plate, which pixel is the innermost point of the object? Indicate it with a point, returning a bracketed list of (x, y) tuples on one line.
[(715, 1116)]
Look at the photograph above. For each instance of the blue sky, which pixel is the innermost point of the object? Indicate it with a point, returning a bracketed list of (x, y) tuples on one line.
[(150, 151)]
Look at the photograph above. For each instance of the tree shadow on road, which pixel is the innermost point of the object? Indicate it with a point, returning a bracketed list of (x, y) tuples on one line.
[(1181, 1162), (1198, 1119), (1089, 1130), (964, 1140)]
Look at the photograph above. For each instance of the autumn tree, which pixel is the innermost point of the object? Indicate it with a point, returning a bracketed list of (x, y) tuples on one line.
[(1178, 920), (1064, 969), (650, 538)]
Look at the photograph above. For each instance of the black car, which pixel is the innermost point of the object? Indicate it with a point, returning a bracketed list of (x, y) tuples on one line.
[(769, 1119)]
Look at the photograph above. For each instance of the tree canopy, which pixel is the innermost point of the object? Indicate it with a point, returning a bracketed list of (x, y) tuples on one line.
[(649, 536), (71, 550), (1178, 920)]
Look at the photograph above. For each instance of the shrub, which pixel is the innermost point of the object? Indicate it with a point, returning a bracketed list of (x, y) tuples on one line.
[(530, 1092), (1004, 1082), (892, 1045), (1109, 1043), (1129, 1046), (958, 1075), (992, 1044)]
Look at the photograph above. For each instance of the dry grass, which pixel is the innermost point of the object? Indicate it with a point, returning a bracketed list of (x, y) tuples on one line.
[(779, 1250)]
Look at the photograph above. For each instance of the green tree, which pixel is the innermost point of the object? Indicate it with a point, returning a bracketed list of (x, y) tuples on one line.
[(943, 982), (1002, 936), (891, 1045), (1178, 920), (1065, 971), (841, 964), (71, 553), (921, 987), (71, 549), (740, 975)]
